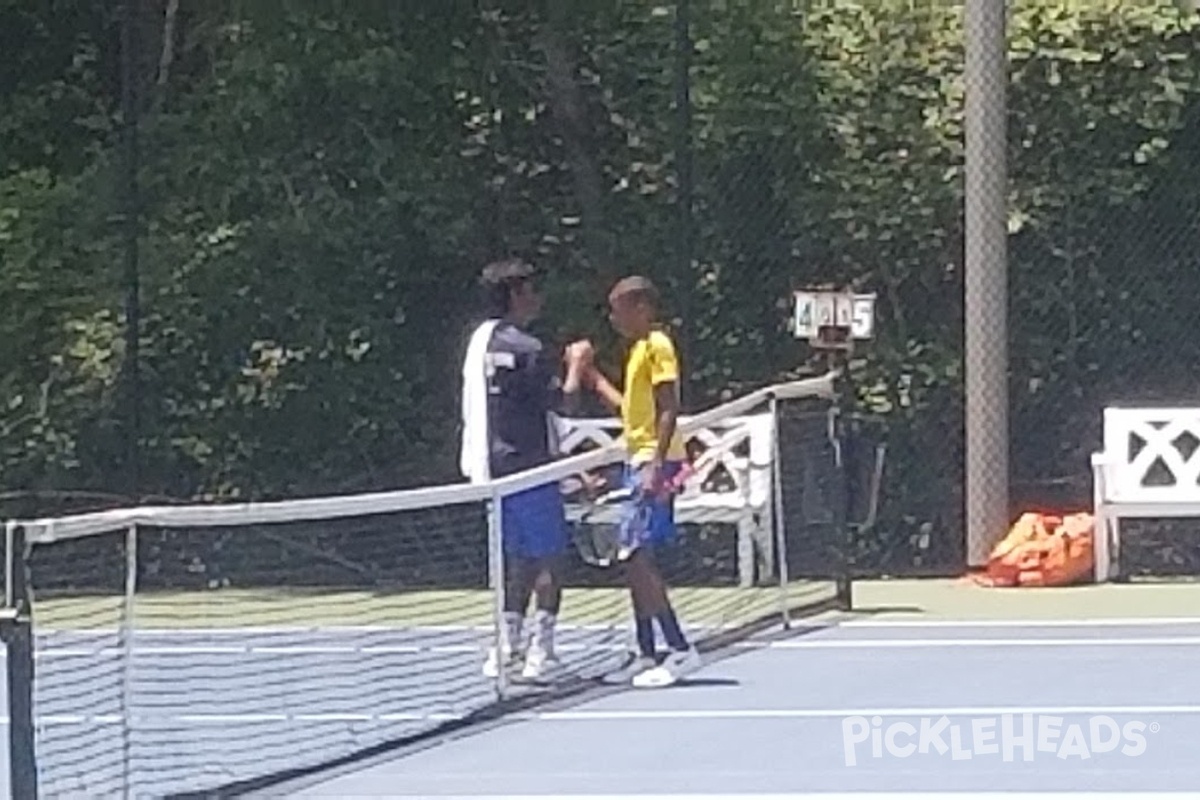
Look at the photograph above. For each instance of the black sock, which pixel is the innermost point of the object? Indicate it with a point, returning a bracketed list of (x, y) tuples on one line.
[(671, 631), (645, 636)]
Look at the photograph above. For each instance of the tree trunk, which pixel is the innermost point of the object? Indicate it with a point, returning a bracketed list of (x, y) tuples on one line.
[(568, 108), (167, 52)]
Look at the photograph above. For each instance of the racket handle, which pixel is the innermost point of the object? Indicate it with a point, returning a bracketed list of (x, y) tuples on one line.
[(676, 483)]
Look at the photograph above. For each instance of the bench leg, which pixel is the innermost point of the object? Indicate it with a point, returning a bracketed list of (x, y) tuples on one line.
[(1114, 549), (745, 550), (1102, 546), (764, 543)]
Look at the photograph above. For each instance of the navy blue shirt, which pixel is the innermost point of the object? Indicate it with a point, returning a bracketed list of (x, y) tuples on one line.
[(523, 386)]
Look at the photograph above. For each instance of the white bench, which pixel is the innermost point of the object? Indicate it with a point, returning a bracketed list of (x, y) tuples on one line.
[(735, 488), (1147, 469)]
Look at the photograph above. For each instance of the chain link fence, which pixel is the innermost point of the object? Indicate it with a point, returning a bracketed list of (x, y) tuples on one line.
[(316, 190)]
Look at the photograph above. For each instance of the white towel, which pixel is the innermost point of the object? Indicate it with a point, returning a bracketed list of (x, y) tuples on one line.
[(474, 458), (556, 431)]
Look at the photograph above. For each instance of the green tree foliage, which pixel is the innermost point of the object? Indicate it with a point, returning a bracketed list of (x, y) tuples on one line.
[(321, 186)]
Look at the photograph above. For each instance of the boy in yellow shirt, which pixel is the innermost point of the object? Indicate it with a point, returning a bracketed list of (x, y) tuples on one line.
[(649, 408)]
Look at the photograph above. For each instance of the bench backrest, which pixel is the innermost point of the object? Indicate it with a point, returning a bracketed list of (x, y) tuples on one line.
[(741, 473), (1153, 454)]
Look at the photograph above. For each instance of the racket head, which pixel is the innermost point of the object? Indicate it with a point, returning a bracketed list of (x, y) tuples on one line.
[(597, 545)]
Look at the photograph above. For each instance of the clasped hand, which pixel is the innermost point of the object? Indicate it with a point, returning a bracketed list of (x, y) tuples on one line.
[(580, 357)]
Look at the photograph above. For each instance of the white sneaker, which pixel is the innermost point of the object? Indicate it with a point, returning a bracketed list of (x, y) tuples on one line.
[(511, 643), (634, 665), (540, 664), (540, 659), (491, 667), (673, 667)]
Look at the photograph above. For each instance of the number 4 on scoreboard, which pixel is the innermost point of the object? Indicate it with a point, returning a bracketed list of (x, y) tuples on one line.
[(805, 321)]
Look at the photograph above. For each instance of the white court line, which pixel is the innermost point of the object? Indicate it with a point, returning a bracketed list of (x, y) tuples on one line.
[(400, 628), (1130, 622), (633, 715), (338, 630), (870, 644), (829, 796), (242, 719), (282, 650), (786, 644), (750, 644), (841, 713), (270, 630)]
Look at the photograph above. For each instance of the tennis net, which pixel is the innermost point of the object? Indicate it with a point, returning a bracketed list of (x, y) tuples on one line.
[(210, 649)]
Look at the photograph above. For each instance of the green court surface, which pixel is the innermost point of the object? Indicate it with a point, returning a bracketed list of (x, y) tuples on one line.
[(885, 600), (952, 600), (233, 608)]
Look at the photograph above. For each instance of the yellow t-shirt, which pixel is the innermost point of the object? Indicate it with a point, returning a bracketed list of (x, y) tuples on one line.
[(652, 361)]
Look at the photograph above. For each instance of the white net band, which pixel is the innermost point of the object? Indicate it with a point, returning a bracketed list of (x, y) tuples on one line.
[(43, 531)]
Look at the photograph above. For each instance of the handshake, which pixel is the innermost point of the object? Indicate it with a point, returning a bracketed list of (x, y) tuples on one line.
[(579, 358)]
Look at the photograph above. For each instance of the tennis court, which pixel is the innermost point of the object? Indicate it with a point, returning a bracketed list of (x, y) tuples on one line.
[(773, 713), (279, 681), (333, 647), (769, 716), (215, 648)]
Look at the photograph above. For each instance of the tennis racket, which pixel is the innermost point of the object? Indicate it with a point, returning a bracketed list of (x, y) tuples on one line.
[(599, 543)]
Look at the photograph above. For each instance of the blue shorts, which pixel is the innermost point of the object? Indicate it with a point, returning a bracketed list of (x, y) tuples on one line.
[(535, 523), (647, 521)]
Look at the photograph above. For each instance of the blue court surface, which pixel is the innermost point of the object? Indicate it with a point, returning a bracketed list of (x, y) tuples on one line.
[(838, 708), (1048, 707)]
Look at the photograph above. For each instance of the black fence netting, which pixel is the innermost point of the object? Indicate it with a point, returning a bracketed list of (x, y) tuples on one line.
[(293, 208)]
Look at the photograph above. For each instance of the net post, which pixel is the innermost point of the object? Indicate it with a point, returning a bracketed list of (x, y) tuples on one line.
[(496, 578), (837, 428), (18, 638), (781, 559), (10, 528), (127, 628), (833, 321)]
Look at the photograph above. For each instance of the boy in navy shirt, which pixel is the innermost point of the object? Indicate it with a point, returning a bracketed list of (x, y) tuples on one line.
[(523, 391)]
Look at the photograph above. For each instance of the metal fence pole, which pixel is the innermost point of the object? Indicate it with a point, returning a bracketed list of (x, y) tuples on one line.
[(128, 629), (685, 241), (986, 277), (18, 639), (841, 516), (130, 225), (781, 559)]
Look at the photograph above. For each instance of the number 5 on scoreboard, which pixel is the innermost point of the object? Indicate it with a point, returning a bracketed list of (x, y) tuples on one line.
[(862, 325)]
